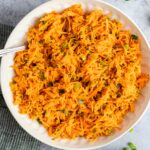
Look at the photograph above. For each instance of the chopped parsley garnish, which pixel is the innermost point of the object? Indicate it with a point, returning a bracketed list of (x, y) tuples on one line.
[(72, 78), (94, 131), (14, 82), (64, 45), (132, 146), (50, 83), (25, 74), (80, 136), (103, 63), (38, 71), (131, 130), (126, 46), (91, 28), (118, 95), (65, 53), (131, 100), (134, 37), (83, 58), (64, 111), (87, 48), (40, 41), (80, 101), (76, 86), (80, 32), (43, 22), (115, 46), (39, 121), (131, 62), (60, 49), (117, 85), (42, 77), (126, 148), (106, 84)]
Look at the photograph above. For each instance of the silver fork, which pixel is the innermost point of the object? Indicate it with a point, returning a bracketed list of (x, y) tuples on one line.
[(6, 51)]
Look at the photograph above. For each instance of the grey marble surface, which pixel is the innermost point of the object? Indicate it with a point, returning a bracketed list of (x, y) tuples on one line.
[(12, 11)]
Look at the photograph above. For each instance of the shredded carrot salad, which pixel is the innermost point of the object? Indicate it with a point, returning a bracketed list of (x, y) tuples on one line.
[(80, 74)]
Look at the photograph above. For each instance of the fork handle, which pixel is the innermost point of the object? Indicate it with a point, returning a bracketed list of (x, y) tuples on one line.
[(11, 50)]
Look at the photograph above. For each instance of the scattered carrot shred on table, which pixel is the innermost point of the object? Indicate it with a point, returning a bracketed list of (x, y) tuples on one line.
[(80, 74)]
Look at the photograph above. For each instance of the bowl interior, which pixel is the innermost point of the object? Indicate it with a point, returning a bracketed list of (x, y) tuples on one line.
[(18, 37)]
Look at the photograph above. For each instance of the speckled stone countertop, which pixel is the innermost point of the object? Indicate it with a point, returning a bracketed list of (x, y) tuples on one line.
[(12, 11)]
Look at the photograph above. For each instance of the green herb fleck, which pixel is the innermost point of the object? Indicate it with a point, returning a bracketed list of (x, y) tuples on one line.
[(132, 146), (39, 121), (64, 111), (131, 62), (40, 41), (81, 114), (60, 49), (24, 61), (115, 46), (117, 85), (50, 83), (73, 36), (91, 117), (126, 148), (65, 53), (43, 22), (105, 79), (59, 110), (91, 28), (134, 37), (72, 78), (131, 100), (109, 131), (83, 58), (21, 97), (103, 63), (80, 32), (42, 77), (80, 136), (87, 48), (64, 45), (126, 46), (25, 74), (94, 131), (41, 72), (131, 130), (38, 71), (76, 86), (106, 84), (118, 95), (80, 101), (14, 82)]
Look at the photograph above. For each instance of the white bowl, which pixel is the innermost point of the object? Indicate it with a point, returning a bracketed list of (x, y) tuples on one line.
[(18, 38)]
